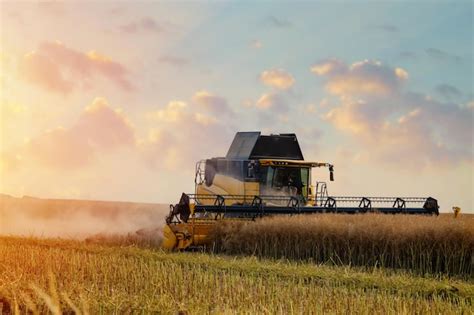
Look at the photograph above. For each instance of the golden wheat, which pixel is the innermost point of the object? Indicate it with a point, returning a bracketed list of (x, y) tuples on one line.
[(420, 244), (59, 276)]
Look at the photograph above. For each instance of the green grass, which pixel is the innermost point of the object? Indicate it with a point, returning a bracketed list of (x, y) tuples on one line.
[(95, 278)]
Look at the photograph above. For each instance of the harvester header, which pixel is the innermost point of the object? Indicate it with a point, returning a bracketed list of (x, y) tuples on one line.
[(264, 175)]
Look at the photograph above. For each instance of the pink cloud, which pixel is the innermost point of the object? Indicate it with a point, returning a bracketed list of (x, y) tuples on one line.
[(100, 128), (174, 60), (41, 70), (201, 124), (60, 148), (104, 127), (212, 104), (59, 68), (146, 24)]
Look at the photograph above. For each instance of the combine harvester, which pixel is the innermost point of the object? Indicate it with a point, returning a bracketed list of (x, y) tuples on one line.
[(264, 176)]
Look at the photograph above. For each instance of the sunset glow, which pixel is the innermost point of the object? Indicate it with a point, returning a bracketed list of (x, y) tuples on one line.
[(117, 101)]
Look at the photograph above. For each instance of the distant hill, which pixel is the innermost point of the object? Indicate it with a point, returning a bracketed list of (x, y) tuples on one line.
[(5, 196)]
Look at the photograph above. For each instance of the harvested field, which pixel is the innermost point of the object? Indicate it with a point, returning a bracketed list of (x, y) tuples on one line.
[(38, 276), (324, 263)]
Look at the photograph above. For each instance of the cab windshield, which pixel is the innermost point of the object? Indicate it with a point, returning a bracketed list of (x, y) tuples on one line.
[(290, 181)]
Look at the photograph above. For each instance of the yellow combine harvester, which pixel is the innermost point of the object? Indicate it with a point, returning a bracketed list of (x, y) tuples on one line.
[(264, 175)]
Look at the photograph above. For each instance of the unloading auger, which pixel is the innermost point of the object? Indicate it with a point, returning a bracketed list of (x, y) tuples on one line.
[(265, 175)]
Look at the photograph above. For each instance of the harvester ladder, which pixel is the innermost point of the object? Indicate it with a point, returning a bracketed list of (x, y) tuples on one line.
[(321, 193), (200, 174)]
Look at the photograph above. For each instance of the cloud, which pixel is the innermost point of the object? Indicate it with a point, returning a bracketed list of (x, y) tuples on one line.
[(272, 102), (105, 127), (44, 72), (329, 67), (173, 112), (277, 78), (173, 60), (212, 104), (447, 91), (392, 124), (442, 55), (311, 109), (271, 108), (201, 134), (278, 22), (60, 148), (53, 7), (58, 68), (9, 111), (349, 117), (408, 55), (8, 162), (117, 11), (364, 77), (99, 128), (256, 43), (145, 24)]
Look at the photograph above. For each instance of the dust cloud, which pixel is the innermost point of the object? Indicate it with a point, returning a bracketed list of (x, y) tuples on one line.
[(78, 219)]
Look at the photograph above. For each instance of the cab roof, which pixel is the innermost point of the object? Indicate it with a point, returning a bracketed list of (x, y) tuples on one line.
[(253, 146)]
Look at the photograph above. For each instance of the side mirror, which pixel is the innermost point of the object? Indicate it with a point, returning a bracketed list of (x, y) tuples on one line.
[(331, 173)]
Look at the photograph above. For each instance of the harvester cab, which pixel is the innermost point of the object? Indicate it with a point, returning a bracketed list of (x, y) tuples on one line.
[(265, 175), (257, 165)]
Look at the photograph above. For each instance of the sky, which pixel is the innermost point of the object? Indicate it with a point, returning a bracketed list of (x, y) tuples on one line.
[(118, 100)]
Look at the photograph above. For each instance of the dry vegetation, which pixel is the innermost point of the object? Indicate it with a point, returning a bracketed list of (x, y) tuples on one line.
[(433, 245), (121, 270), (65, 276)]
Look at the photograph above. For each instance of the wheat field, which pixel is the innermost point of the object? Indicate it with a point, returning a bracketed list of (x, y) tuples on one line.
[(65, 276), (335, 264), (420, 244)]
